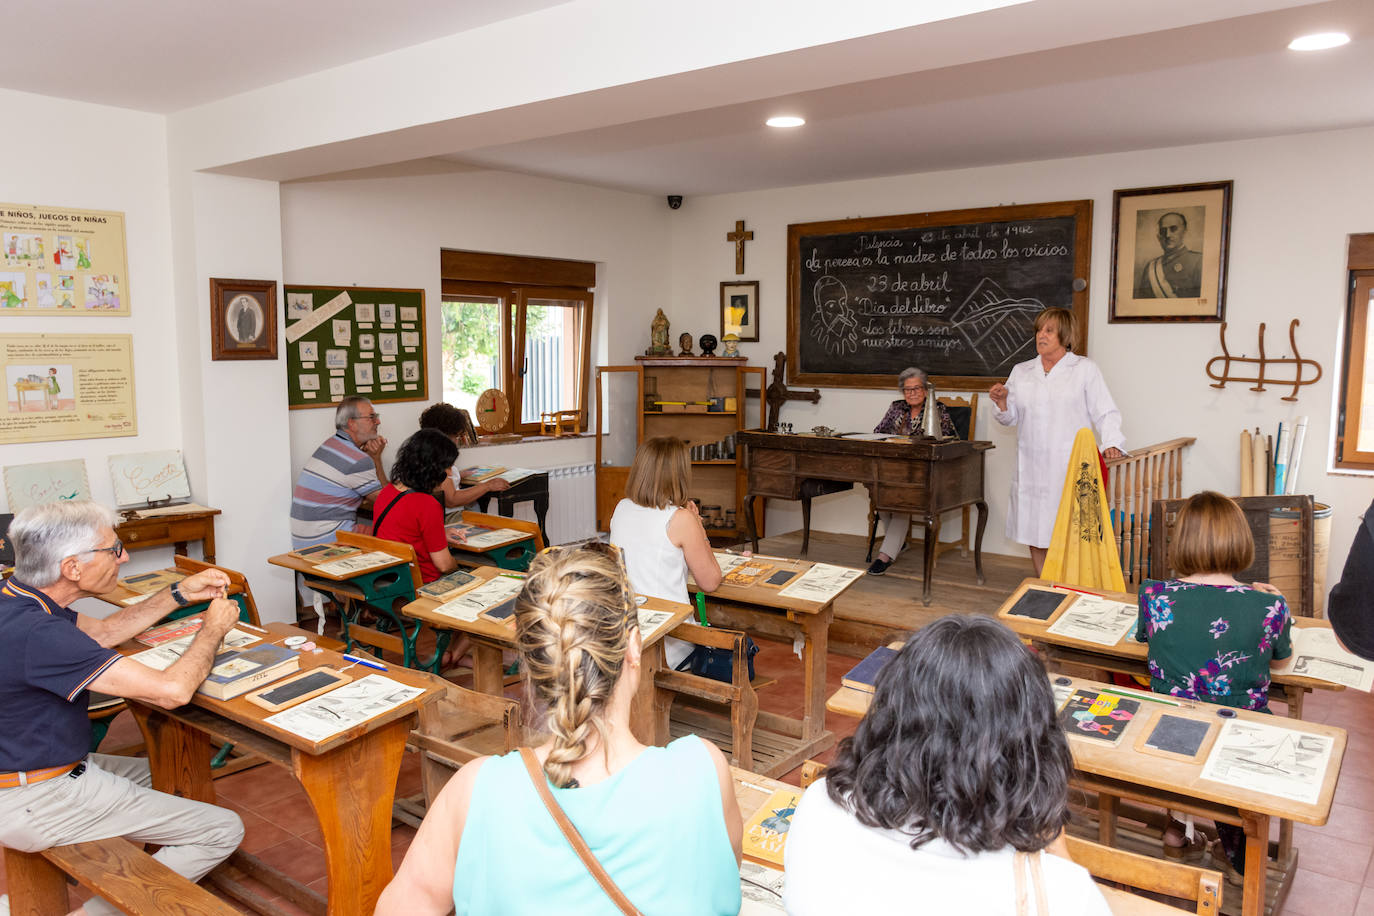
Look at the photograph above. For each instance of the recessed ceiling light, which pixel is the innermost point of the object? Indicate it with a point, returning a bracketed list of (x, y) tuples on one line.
[(1319, 41), (785, 121)]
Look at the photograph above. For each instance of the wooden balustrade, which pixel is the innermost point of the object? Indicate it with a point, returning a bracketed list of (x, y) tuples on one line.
[(1133, 484)]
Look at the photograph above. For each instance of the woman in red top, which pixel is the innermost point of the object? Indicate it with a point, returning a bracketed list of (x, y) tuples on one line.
[(406, 509)]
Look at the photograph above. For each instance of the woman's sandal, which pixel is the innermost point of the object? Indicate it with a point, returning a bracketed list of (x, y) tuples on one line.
[(1187, 850)]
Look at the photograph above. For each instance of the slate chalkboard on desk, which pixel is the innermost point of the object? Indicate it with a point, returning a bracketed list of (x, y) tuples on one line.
[(954, 292), (354, 340)]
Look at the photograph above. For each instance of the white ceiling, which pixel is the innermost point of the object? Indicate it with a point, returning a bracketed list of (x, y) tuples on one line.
[(701, 132)]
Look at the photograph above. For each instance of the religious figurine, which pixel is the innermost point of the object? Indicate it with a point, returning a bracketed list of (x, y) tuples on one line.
[(658, 336), (731, 345), (685, 342), (708, 344)]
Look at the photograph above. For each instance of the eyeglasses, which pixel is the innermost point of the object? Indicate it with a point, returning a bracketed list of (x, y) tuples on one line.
[(368, 416), (911, 390), (115, 550)]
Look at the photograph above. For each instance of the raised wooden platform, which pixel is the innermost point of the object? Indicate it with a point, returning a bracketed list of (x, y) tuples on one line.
[(877, 609)]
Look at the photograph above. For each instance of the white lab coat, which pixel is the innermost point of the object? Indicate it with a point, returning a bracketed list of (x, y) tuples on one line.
[(1049, 411)]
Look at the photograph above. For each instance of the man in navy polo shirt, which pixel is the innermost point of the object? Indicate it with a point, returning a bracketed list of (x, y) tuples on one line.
[(52, 790)]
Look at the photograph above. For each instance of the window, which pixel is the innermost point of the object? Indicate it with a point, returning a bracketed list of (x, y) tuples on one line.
[(504, 329), (1355, 424)]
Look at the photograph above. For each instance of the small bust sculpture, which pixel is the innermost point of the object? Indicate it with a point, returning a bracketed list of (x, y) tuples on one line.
[(685, 343), (658, 336), (708, 344), (731, 345)]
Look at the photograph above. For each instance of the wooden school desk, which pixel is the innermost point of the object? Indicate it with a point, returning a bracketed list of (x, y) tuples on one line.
[(1121, 770), (781, 743), (164, 527), (1131, 657), (349, 778)]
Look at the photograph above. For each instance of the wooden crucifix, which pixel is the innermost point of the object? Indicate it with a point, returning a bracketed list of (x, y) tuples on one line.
[(739, 237), (778, 392)]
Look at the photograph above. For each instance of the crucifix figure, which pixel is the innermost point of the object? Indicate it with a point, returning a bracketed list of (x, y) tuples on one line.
[(777, 393), (739, 237)]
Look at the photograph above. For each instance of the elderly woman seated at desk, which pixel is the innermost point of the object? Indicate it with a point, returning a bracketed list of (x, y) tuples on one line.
[(903, 418)]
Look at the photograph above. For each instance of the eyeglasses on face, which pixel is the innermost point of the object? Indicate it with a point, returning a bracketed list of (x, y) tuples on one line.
[(115, 550), (368, 416), (910, 390)]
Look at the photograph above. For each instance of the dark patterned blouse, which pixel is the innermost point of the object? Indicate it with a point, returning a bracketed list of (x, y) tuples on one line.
[(898, 422)]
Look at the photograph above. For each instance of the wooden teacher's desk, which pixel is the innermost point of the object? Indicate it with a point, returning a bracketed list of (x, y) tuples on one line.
[(1128, 770), (919, 477), (350, 778), (1128, 656), (159, 527)]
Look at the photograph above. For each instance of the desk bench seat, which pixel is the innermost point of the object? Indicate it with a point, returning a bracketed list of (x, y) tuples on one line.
[(116, 870)]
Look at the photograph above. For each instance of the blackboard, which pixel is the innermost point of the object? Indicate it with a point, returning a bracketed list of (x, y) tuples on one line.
[(1037, 604), (953, 292), (354, 340), (1178, 735)]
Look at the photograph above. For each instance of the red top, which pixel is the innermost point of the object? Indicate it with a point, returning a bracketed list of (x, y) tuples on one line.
[(415, 519)]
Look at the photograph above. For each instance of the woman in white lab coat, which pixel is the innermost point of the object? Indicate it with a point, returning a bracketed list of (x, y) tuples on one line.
[(1050, 398)]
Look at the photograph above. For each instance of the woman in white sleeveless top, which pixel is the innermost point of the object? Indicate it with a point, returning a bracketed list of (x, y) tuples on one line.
[(660, 531)]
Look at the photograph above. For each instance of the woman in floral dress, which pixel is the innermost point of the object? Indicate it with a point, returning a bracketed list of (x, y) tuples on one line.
[(1211, 636)]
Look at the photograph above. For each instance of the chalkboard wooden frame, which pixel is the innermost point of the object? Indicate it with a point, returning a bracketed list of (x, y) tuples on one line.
[(1080, 211)]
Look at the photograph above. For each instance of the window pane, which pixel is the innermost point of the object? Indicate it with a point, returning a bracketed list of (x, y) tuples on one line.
[(553, 370), (471, 349), (1366, 421)]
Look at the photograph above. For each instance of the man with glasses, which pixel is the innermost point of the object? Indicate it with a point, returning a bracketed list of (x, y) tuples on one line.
[(53, 791), (342, 476)]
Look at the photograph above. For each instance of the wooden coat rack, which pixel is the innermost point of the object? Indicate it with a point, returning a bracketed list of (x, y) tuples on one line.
[(1264, 363)]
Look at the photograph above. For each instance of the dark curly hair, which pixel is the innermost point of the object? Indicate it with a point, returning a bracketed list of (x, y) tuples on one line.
[(961, 743), (423, 460), (449, 420)]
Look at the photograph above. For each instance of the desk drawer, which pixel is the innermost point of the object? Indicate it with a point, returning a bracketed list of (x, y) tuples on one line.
[(144, 532), (895, 470), (782, 485), (771, 459), (900, 498), (186, 531)]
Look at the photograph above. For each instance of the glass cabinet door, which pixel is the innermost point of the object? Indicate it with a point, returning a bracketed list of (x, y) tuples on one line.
[(619, 399)]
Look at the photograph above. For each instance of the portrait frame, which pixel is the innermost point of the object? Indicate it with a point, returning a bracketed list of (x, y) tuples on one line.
[(1185, 283), (739, 309), (252, 307)]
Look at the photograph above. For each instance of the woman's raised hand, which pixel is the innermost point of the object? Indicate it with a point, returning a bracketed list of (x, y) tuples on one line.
[(998, 393)]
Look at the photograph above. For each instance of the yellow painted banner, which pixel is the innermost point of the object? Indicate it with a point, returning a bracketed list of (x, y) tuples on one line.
[(61, 261), (67, 386)]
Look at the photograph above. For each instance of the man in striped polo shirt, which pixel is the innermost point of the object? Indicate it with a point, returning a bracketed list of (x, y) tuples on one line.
[(53, 791), (344, 474)]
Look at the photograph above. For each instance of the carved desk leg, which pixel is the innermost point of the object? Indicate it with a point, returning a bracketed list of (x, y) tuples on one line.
[(978, 541), (932, 542)]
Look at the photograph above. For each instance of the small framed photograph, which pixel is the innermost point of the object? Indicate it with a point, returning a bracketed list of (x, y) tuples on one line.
[(1170, 247), (243, 319), (739, 309)]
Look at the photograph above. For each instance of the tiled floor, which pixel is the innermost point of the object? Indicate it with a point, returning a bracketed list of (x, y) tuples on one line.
[(1334, 878)]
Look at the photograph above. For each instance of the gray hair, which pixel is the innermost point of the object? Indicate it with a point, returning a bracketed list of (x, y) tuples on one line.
[(348, 409), (46, 535), (912, 372)]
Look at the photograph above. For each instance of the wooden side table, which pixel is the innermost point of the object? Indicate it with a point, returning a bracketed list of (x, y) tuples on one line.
[(178, 530)]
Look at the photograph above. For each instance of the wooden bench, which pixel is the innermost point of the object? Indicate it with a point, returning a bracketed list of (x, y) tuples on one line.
[(116, 870)]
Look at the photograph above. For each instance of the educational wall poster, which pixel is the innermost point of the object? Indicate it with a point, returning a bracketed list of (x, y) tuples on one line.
[(344, 341), (67, 386), (46, 482), (61, 261)]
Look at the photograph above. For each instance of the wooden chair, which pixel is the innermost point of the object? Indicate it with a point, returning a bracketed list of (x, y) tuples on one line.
[(384, 593), (456, 729), (1200, 886), (1164, 516), (964, 413), (737, 696), (244, 597)]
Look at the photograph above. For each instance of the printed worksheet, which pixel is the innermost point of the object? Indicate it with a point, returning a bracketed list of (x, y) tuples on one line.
[(821, 583), (344, 707), (347, 566), (1269, 759), (164, 656), (1095, 619), (471, 603), (1316, 653)]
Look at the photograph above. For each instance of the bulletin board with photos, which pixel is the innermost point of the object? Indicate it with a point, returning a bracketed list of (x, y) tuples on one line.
[(354, 340)]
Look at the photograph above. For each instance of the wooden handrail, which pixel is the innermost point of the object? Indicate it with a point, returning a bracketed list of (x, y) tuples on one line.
[(1134, 482)]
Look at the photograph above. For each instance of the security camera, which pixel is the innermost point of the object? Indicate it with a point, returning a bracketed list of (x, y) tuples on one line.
[(674, 201)]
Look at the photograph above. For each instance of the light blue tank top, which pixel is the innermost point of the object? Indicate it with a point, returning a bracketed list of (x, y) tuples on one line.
[(656, 827)]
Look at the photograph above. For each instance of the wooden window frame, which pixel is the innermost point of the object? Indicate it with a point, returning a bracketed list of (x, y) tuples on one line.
[(1353, 363)]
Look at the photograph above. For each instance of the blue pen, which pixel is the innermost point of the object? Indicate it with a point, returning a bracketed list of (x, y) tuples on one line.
[(365, 662)]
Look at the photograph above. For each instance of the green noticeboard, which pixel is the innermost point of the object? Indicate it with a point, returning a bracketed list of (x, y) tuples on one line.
[(354, 340)]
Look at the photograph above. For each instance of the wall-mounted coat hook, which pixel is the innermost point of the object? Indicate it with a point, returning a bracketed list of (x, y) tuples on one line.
[(1264, 363)]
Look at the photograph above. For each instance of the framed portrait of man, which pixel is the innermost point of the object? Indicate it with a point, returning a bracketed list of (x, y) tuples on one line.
[(1169, 252), (243, 319)]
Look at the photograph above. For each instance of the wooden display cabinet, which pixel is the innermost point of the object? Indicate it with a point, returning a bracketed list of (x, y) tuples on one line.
[(628, 412)]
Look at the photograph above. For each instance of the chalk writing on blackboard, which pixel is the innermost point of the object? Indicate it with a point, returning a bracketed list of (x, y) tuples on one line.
[(955, 292)]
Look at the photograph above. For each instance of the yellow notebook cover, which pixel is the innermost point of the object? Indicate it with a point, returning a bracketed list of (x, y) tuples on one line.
[(766, 832)]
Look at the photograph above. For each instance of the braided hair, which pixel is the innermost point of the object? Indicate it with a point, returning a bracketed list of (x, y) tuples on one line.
[(572, 626)]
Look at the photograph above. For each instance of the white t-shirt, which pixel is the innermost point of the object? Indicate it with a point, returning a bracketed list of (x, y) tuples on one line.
[(837, 865), (657, 567)]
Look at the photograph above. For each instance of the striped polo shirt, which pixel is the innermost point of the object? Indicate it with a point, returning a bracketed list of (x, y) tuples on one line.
[(46, 666), (330, 489)]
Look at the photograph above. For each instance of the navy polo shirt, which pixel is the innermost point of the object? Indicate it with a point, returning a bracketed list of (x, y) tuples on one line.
[(46, 664)]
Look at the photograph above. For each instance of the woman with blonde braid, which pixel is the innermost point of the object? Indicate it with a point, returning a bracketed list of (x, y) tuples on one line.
[(662, 822)]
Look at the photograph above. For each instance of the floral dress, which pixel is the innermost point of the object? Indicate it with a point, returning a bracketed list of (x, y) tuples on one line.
[(1213, 642)]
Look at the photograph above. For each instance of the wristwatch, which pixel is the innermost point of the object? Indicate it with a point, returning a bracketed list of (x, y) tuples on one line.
[(177, 596)]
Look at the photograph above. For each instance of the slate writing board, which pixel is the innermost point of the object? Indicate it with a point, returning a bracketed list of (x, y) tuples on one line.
[(1037, 604), (954, 292), (1178, 735)]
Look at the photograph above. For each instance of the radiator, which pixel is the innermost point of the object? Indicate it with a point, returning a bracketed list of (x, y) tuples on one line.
[(572, 504)]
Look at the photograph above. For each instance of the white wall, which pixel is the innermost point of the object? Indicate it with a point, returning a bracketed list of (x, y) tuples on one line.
[(388, 231), (1296, 199)]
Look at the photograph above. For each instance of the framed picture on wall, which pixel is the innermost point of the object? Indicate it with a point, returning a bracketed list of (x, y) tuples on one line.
[(1169, 251), (739, 309), (243, 319)]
